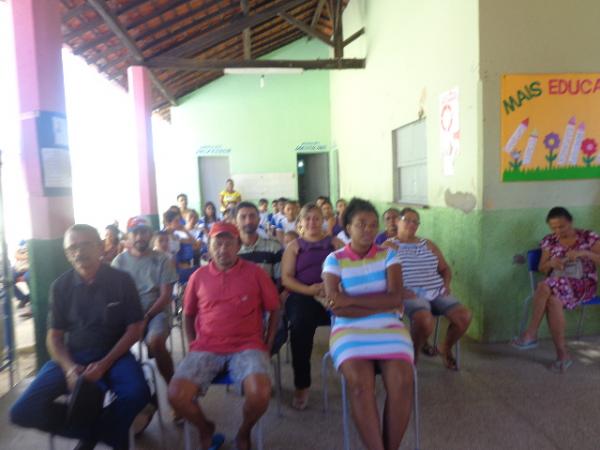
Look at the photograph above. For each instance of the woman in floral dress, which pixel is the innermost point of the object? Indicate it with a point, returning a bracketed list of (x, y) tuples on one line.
[(569, 258)]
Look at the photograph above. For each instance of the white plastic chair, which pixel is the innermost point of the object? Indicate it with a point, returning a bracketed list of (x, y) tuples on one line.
[(346, 409)]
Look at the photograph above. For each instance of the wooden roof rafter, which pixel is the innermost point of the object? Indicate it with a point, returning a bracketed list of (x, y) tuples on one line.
[(212, 33), (118, 30)]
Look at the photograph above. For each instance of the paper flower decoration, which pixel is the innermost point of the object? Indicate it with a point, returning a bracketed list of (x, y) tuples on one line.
[(516, 163), (552, 141), (588, 148)]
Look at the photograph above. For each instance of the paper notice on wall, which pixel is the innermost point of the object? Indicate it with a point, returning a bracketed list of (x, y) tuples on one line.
[(56, 166), (449, 130), (59, 130)]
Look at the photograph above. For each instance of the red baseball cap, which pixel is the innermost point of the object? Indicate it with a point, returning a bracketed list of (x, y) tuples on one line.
[(224, 227), (136, 223)]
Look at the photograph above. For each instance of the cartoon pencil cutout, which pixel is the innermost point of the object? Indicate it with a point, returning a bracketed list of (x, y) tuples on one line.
[(519, 132), (530, 148), (579, 135), (566, 142)]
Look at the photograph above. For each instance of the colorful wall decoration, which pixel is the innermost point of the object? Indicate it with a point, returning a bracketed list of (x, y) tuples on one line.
[(550, 127)]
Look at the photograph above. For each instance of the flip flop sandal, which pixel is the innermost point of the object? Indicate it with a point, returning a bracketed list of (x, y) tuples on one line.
[(561, 366), (520, 344), (300, 403), (217, 441), (429, 350), (449, 362)]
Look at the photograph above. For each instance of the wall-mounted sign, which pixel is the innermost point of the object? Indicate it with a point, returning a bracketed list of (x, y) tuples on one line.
[(312, 146), (550, 127), (213, 150), (53, 149)]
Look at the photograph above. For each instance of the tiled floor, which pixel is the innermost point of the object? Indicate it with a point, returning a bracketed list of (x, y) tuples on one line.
[(501, 399)]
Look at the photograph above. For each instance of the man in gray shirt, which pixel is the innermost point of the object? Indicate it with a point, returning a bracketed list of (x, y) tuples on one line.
[(154, 275)]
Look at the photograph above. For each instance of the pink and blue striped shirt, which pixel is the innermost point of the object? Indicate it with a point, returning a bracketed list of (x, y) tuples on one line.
[(377, 336)]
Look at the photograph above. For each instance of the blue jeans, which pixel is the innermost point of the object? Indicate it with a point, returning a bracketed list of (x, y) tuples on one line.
[(36, 408)]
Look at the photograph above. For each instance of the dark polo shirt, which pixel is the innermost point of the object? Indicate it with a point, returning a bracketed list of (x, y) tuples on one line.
[(94, 316)]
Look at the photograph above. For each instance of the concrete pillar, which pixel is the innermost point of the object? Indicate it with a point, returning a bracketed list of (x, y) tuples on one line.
[(44, 146), (140, 92)]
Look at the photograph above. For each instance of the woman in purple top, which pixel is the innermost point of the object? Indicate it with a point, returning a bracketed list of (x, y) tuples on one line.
[(301, 267), (391, 229)]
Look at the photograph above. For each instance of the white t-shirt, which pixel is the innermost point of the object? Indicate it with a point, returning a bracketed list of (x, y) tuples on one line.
[(285, 225)]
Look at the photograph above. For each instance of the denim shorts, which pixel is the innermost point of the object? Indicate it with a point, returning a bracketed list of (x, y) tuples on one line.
[(201, 368), (157, 326), (439, 306)]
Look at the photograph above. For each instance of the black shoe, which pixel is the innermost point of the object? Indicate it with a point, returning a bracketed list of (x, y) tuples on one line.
[(85, 445)]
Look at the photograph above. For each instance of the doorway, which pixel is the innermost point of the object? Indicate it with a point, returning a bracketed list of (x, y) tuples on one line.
[(313, 176), (213, 171)]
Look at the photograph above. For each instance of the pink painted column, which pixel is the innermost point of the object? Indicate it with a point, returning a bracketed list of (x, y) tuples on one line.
[(140, 92), (38, 44), (44, 148)]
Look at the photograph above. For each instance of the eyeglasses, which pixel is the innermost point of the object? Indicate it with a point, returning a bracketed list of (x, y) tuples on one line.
[(407, 220), (82, 246)]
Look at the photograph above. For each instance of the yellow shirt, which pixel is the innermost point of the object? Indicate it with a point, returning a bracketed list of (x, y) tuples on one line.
[(228, 197)]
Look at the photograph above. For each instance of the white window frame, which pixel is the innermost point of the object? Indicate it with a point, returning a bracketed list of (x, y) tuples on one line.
[(409, 146)]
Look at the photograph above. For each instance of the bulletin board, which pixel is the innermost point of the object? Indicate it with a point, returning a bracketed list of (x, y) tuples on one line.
[(549, 127), (253, 186)]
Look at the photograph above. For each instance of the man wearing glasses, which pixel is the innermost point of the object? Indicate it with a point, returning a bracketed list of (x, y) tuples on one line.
[(95, 317)]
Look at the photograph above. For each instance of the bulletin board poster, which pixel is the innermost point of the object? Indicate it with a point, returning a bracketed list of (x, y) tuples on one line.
[(550, 127)]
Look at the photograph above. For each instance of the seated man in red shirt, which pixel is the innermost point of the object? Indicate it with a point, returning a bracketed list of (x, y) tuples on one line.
[(224, 305)]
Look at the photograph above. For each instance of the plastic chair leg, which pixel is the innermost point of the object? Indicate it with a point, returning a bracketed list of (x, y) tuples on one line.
[(416, 408), (132, 437), (324, 381), (188, 437), (153, 370), (580, 322), (525, 314), (259, 435), (436, 332), (278, 390), (345, 415)]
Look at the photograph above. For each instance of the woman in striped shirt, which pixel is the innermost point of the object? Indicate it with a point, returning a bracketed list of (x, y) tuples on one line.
[(363, 285), (427, 277)]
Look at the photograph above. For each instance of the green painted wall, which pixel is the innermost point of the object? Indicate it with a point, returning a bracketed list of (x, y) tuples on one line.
[(521, 37), (514, 217), (409, 65), (41, 253), (261, 126), (417, 50)]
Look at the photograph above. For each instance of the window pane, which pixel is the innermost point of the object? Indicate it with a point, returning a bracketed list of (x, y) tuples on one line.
[(411, 143), (412, 181)]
